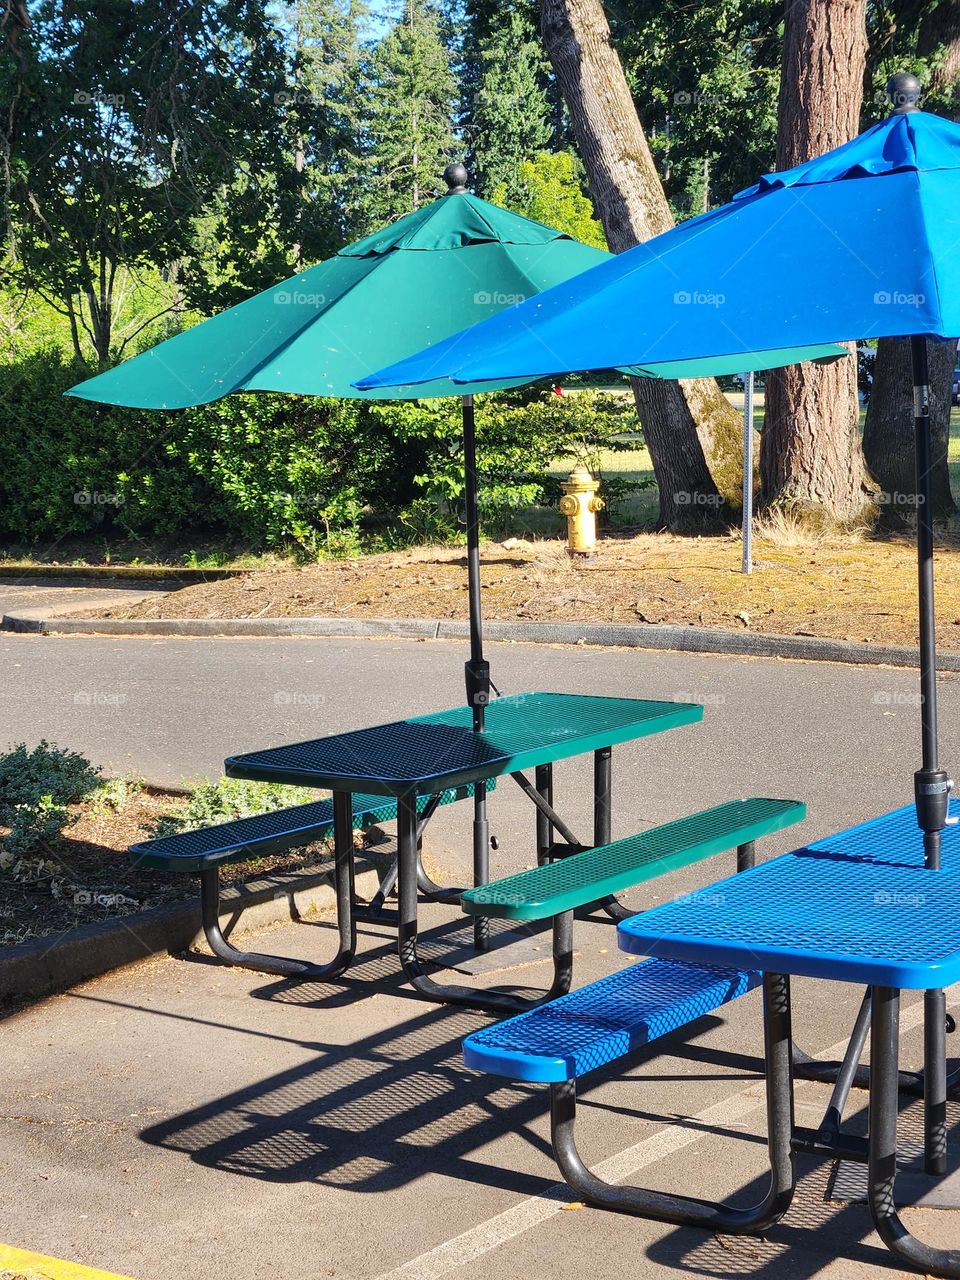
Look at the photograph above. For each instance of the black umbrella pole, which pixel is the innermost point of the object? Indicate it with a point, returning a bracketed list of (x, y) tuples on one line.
[(477, 670), (931, 783)]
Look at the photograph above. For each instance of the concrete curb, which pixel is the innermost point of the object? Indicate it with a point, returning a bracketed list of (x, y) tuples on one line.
[(181, 574), (227, 627), (44, 966), (637, 636)]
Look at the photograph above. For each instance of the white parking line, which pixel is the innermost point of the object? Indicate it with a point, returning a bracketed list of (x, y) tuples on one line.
[(470, 1245)]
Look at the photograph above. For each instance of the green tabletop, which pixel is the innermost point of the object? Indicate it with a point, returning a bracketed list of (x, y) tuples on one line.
[(429, 753)]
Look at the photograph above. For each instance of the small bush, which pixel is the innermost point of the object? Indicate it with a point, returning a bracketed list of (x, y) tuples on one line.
[(35, 789), (225, 800), (320, 477)]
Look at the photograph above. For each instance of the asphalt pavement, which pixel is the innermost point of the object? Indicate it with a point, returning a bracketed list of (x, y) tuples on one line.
[(177, 1119)]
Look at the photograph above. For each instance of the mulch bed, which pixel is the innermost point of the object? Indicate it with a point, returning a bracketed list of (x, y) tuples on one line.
[(861, 589), (88, 876)]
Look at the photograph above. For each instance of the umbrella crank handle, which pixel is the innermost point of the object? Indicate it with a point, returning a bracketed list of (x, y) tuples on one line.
[(932, 789), (477, 675)]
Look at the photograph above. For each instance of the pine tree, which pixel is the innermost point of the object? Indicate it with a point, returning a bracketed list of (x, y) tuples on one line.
[(811, 460), (690, 429), (409, 127), (323, 101), (510, 116)]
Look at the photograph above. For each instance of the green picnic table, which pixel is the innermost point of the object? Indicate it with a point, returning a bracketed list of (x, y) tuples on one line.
[(427, 755)]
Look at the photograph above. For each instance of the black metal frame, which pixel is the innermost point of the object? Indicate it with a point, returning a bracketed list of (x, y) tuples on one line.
[(879, 1151), (449, 993), (281, 965), (548, 821), (882, 1162), (411, 881), (684, 1210), (548, 825), (932, 789)]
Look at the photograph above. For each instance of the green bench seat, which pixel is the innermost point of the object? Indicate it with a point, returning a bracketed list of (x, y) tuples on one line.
[(554, 890), (582, 878), (205, 850)]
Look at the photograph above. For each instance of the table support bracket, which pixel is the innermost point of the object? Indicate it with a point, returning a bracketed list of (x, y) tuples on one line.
[(548, 811), (374, 911)]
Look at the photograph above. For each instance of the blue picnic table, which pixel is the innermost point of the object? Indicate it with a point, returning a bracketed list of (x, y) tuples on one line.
[(857, 907)]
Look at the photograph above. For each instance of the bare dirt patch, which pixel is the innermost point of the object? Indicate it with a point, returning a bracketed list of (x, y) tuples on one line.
[(838, 588), (86, 876)]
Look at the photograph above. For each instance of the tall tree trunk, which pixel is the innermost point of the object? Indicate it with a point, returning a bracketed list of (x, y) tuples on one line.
[(940, 34), (693, 433), (810, 455), (888, 432)]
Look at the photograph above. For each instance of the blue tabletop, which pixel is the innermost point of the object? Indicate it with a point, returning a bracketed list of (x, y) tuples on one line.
[(855, 907)]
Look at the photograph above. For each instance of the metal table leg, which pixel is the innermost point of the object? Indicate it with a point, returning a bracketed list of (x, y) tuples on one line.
[(882, 1164), (290, 968), (441, 993), (481, 861), (935, 1082), (683, 1210), (807, 1068), (544, 785), (602, 815), (374, 911), (846, 1074), (449, 993)]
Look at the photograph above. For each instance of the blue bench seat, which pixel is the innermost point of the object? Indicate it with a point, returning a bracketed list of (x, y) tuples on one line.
[(604, 1021)]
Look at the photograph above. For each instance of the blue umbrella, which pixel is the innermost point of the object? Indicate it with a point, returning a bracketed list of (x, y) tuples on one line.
[(859, 243), (863, 242)]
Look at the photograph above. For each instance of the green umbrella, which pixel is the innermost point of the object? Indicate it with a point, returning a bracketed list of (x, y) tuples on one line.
[(434, 272), (425, 277)]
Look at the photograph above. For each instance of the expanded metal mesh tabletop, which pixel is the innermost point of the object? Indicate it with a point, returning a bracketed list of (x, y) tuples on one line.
[(857, 907), (429, 753)]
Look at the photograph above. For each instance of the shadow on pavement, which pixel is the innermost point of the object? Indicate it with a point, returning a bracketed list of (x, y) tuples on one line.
[(384, 1110)]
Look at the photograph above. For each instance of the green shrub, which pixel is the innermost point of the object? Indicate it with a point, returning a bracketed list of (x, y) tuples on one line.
[(519, 435), (35, 789), (319, 476), (225, 800), (111, 796), (68, 467)]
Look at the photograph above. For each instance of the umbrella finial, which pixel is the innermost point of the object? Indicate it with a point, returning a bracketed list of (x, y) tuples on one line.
[(904, 90), (455, 176)]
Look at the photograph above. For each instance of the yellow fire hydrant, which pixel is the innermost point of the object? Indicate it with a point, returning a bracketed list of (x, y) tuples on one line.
[(580, 505)]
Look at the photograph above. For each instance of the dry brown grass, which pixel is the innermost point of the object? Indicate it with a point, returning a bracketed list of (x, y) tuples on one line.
[(788, 529)]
